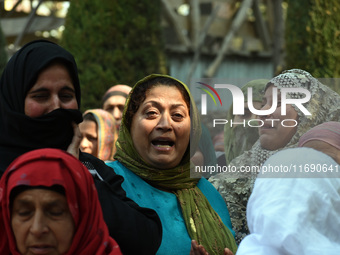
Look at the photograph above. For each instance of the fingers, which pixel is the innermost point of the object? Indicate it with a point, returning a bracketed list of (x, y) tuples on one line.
[(228, 252), (197, 249), (73, 148)]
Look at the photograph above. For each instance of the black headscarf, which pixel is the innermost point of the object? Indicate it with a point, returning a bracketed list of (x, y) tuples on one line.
[(20, 133)]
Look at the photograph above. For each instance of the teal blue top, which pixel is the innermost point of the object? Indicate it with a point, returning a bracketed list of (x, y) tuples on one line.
[(176, 239)]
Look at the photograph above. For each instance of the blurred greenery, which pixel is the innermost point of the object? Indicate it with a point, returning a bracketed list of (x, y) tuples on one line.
[(113, 42), (313, 38)]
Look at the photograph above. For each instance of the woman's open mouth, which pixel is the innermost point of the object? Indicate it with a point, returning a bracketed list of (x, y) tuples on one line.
[(162, 143)]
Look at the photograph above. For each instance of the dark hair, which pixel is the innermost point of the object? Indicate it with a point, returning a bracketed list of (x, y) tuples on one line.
[(138, 95), (89, 116)]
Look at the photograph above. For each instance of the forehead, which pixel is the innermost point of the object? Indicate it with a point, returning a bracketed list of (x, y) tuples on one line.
[(165, 91), (88, 126), (115, 100), (55, 67), (39, 195), (54, 74)]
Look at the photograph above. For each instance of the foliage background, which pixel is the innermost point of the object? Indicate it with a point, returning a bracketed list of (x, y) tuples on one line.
[(114, 42), (313, 37)]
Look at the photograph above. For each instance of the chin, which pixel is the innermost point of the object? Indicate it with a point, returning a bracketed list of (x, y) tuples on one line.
[(270, 146), (267, 145), (164, 164), (88, 151)]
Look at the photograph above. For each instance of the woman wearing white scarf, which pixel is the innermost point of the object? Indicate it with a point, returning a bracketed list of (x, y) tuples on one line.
[(297, 216)]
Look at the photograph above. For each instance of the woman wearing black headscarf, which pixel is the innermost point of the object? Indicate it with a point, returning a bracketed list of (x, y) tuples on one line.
[(40, 109)]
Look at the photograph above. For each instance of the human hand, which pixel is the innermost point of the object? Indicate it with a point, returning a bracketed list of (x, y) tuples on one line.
[(73, 148), (199, 249), (228, 252)]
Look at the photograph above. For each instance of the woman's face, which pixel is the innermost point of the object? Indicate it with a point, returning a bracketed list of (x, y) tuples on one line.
[(273, 135), (248, 115), (115, 106), (41, 222), (89, 140), (53, 89), (160, 129)]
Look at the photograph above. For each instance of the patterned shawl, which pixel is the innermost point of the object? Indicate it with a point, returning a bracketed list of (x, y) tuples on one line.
[(107, 134), (202, 222), (324, 106)]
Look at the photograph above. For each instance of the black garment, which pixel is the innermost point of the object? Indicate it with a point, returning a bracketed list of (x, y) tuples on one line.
[(120, 212), (137, 230)]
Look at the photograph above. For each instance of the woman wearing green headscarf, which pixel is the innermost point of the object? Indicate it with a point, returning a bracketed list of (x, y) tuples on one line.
[(160, 130), (240, 138)]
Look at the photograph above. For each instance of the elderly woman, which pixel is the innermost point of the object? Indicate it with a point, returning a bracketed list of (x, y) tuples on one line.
[(156, 140), (324, 105), (297, 215), (39, 108), (99, 134), (51, 211)]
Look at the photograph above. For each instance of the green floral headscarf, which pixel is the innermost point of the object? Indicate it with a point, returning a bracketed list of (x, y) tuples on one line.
[(202, 222)]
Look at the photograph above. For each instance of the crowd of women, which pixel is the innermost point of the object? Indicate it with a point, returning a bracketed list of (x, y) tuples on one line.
[(117, 180)]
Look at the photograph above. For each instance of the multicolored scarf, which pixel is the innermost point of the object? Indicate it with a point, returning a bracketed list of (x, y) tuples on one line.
[(107, 134)]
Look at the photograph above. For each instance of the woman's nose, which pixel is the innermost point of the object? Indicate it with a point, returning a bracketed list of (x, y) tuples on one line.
[(165, 122), (117, 114), (39, 225), (265, 107), (55, 103), (84, 143)]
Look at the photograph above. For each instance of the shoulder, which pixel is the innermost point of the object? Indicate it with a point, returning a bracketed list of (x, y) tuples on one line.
[(99, 169), (122, 170)]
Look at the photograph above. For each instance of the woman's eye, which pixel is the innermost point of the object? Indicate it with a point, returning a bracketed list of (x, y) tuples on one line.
[(92, 139), (40, 96), (56, 212), (24, 213), (151, 113), (66, 96), (109, 108), (178, 116)]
